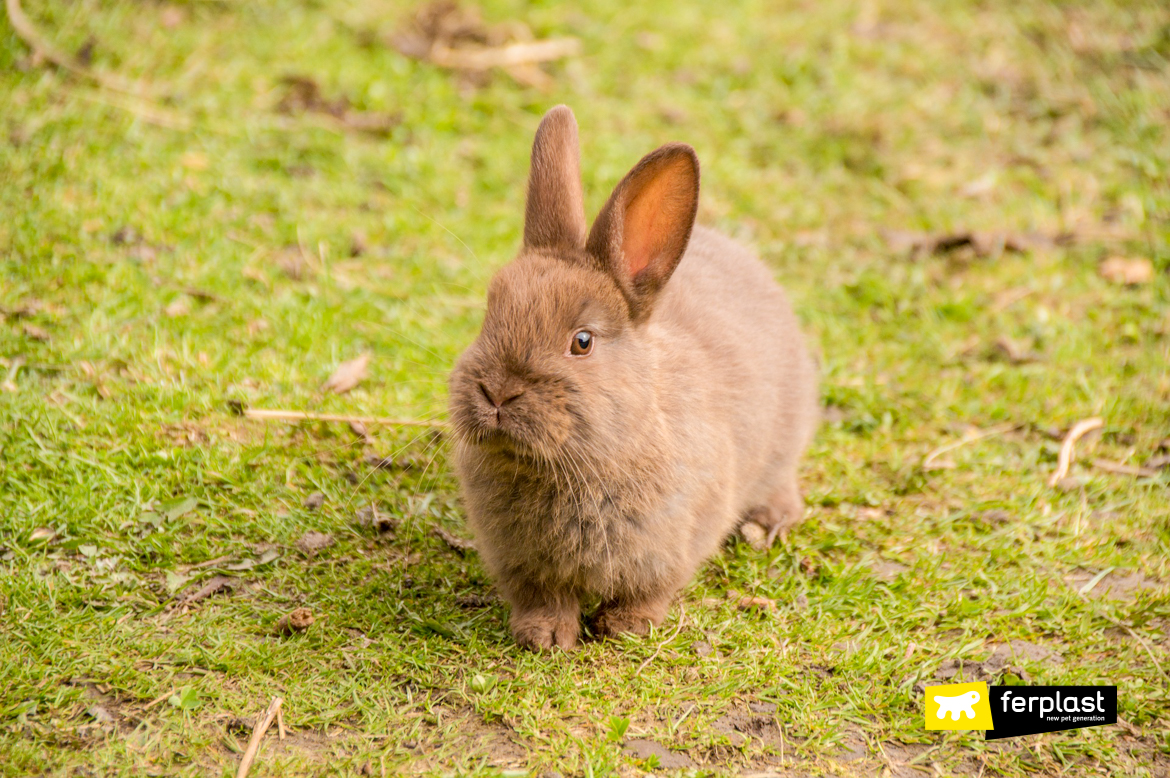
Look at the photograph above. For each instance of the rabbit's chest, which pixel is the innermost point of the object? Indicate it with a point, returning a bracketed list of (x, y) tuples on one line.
[(599, 543)]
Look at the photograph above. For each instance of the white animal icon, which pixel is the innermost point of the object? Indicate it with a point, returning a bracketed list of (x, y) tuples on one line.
[(960, 703)]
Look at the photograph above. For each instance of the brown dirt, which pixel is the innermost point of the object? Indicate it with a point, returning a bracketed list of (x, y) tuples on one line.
[(1121, 585)]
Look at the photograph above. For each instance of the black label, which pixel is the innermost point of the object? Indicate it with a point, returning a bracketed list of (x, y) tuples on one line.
[(1027, 710)]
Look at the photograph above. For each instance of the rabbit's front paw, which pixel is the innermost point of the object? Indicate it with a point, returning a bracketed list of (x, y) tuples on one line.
[(624, 619), (542, 631)]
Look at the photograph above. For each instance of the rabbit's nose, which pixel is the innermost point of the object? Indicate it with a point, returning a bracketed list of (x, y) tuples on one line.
[(500, 396)]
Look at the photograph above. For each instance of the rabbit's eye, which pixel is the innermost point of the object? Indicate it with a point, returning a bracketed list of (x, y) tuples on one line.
[(582, 343)]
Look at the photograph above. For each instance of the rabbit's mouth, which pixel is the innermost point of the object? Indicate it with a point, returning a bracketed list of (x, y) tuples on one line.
[(508, 447), (497, 441)]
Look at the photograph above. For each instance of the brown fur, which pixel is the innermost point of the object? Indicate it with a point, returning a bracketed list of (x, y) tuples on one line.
[(615, 475)]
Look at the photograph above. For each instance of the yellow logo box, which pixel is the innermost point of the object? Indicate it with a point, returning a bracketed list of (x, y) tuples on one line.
[(958, 706)]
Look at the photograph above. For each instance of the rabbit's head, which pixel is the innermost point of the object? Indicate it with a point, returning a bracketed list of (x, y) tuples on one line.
[(564, 365)]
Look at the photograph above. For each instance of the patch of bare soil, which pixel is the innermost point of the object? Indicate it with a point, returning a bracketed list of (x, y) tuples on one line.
[(299, 745), (470, 734), (1121, 585), (647, 749), (106, 712), (757, 732), (1004, 659)]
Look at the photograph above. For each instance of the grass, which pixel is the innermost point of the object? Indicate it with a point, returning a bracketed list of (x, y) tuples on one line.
[(820, 128)]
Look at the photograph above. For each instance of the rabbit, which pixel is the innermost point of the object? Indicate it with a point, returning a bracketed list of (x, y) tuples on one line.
[(636, 393)]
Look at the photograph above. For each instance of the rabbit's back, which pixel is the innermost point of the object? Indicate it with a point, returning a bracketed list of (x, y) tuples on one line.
[(742, 348)]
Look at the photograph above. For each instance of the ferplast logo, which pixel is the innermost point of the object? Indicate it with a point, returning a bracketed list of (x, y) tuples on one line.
[(1029, 710), (1011, 711), (958, 706)]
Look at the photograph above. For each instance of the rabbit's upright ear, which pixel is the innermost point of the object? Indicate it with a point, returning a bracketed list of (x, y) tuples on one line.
[(555, 213), (641, 233)]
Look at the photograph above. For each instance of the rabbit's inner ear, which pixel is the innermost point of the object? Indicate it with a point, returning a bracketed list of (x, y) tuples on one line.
[(641, 233), (555, 212), (658, 219)]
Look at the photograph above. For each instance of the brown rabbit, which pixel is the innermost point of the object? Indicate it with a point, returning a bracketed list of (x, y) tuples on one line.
[(634, 396)]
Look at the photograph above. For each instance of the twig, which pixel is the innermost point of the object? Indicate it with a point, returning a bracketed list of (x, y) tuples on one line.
[(1068, 447), (157, 700), (928, 462), (262, 725), (280, 730), (780, 729), (1009, 299), (457, 544), (681, 617), (44, 50), (143, 109), (512, 55), (1120, 469), (279, 415), (1146, 646), (209, 563), (41, 48)]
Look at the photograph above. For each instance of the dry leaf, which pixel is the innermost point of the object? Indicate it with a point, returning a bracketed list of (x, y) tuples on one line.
[(348, 374), (304, 95), (292, 263), (172, 16), (982, 244), (216, 584), (1122, 270), (100, 714), (180, 307), (35, 332), (297, 621), (756, 603), (312, 542), (1014, 352), (1123, 469), (454, 37), (473, 600), (454, 542), (41, 534)]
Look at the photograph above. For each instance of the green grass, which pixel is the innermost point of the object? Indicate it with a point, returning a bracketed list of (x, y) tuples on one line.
[(820, 127)]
